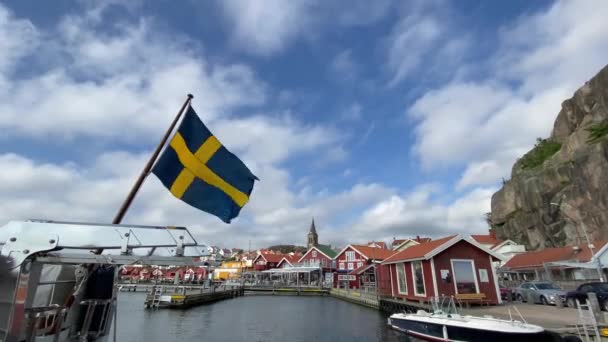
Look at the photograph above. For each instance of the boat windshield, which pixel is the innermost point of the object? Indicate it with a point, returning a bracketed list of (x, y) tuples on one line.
[(547, 286)]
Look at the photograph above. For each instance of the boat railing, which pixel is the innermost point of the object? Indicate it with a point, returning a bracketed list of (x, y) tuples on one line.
[(445, 304), (103, 306), (53, 268), (44, 320)]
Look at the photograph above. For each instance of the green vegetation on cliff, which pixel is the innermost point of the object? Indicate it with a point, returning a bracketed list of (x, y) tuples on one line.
[(543, 150), (597, 132)]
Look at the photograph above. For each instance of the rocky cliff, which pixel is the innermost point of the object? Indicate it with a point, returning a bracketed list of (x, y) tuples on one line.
[(559, 189)]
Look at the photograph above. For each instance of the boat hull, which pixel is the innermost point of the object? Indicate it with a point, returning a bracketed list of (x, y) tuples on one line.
[(435, 332)]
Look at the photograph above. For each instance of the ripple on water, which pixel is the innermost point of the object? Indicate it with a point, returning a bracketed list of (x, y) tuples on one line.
[(254, 318)]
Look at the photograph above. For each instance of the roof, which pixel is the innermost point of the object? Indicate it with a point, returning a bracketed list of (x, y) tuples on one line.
[(379, 244), (486, 239), (271, 257), (416, 240), (554, 254), (324, 249), (361, 269), (397, 242), (429, 249), (418, 251), (290, 259), (367, 252)]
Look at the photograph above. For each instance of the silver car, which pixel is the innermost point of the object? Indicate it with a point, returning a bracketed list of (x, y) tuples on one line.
[(542, 291)]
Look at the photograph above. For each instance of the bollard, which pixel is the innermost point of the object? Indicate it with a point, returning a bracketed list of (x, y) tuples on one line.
[(594, 305)]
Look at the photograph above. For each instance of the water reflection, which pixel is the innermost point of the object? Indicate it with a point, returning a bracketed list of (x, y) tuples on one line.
[(254, 318)]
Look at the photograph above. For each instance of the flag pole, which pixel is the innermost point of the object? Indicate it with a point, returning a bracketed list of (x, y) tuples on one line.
[(144, 173)]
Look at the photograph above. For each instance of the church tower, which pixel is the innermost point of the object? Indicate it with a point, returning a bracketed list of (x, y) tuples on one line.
[(313, 238)]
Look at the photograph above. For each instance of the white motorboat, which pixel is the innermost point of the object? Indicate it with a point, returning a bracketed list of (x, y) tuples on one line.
[(448, 325)]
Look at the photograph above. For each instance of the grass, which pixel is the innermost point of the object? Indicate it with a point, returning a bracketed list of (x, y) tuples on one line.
[(597, 132), (543, 150)]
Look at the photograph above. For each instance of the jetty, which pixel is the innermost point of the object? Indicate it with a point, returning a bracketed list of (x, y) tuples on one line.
[(177, 297)]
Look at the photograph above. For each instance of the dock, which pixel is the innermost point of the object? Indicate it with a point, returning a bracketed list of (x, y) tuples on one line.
[(286, 290), (180, 297)]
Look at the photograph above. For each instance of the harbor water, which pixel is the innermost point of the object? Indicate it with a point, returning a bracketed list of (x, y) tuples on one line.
[(253, 318)]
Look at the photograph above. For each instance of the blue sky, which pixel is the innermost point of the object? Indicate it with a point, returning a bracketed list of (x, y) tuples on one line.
[(380, 119)]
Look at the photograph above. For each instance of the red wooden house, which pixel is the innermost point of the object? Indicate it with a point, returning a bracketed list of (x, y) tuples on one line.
[(450, 266), (351, 262), (266, 260), (289, 260), (320, 255)]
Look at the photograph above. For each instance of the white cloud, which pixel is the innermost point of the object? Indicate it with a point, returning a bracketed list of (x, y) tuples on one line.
[(125, 85), (18, 37), (266, 27), (486, 124), (417, 213), (411, 40)]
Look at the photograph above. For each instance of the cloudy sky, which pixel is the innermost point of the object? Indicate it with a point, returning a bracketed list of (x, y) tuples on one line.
[(380, 119)]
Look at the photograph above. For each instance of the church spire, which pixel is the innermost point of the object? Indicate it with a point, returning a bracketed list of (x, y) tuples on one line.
[(313, 238), (313, 229)]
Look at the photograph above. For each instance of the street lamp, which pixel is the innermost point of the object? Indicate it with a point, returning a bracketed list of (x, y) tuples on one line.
[(589, 244)]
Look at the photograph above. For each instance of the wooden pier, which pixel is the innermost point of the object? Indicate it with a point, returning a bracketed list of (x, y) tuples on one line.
[(358, 297), (177, 297), (286, 290)]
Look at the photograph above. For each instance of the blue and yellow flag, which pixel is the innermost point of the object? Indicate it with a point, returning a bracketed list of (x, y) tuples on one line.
[(197, 169)]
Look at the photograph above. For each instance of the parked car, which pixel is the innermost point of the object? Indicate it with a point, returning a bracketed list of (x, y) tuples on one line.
[(506, 293), (600, 289), (543, 292)]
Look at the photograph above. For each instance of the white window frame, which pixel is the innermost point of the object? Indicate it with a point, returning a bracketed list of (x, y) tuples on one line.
[(472, 263), (341, 265), (314, 254), (350, 266), (350, 256), (414, 279), (359, 264), (399, 280)]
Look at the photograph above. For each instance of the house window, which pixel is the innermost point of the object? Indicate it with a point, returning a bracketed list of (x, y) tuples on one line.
[(465, 279), (401, 278), (350, 256), (341, 265), (359, 264), (314, 254), (350, 266), (418, 276)]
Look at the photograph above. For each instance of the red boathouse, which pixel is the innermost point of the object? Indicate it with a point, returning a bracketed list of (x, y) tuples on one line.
[(451, 266)]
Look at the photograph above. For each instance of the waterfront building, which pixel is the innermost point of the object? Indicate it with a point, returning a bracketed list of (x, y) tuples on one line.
[(451, 266), (266, 260), (289, 260), (562, 264), (354, 257), (401, 244), (229, 270)]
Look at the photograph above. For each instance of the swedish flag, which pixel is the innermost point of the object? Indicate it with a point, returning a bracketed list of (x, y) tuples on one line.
[(197, 169)]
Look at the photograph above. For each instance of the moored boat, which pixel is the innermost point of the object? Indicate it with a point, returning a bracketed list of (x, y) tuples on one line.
[(446, 324), (454, 327)]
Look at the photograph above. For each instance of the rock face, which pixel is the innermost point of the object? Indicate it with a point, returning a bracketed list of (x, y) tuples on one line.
[(574, 178)]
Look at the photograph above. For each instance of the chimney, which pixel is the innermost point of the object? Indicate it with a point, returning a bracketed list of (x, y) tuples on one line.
[(493, 233), (417, 238)]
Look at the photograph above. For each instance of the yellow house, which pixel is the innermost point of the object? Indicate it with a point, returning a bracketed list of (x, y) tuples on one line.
[(229, 270)]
